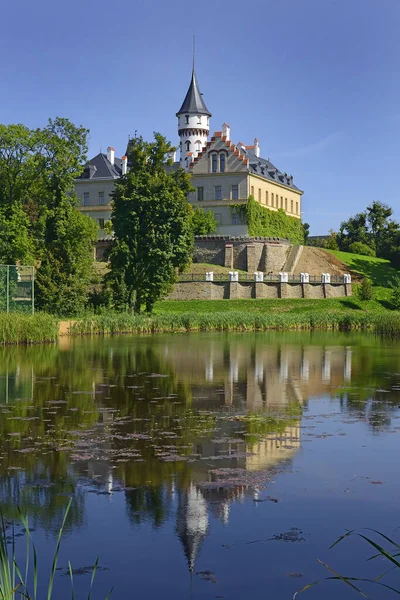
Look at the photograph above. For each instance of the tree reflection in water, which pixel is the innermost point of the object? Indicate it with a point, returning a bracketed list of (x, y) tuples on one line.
[(182, 425)]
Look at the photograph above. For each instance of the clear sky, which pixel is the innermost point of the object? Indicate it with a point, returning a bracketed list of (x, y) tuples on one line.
[(317, 81)]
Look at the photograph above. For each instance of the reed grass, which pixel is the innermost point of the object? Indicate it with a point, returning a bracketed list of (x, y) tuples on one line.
[(14, 581), (376, 539), (384, 324), (17, 328)]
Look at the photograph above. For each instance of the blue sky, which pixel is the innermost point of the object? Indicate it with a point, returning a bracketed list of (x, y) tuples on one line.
[(317, 81)]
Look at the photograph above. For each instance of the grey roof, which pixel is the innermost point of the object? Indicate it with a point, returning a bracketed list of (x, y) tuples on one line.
[(99, 167), (265, 168), (193, 102)]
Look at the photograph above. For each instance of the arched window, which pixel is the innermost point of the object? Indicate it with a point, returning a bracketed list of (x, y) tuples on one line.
[(222, 162), (198, 146), (187, 143), (214, 163)]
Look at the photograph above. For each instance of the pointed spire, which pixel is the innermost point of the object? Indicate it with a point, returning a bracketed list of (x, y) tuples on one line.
[(193, 102)]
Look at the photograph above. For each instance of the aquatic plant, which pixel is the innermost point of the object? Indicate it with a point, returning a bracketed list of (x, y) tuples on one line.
[(382, 323), (14, 581), (391, 554), (17, 328)]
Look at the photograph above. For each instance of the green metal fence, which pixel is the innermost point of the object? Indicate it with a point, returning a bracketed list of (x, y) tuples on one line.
[(17, 289)]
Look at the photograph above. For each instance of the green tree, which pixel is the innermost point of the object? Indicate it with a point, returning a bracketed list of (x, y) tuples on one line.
[(306, 228), (151, 218), (63, 278), (355, 229), (330, 242), (203, 221), (64, 275)]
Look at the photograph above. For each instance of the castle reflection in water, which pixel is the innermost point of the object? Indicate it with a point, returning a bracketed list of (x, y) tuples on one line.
[(224, 377)]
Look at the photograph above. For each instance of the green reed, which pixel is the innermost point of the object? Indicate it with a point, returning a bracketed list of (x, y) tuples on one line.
[(14, 582), (387, 324), (390, 554), (17, 328)]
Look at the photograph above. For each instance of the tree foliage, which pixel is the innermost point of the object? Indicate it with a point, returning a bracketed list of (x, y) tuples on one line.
[(39, 222), (373, 228), (151, 218), (203, 221)]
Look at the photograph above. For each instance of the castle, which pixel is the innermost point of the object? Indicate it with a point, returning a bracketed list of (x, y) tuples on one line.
[(224, 174)]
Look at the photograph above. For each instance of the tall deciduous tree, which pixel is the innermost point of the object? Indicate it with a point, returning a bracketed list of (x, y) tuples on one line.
[(151, 218), (39, 222), (203, 221), (66, 267)]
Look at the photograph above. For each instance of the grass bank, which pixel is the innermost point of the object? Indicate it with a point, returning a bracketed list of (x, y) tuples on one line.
[(27, 329), (382, 323)]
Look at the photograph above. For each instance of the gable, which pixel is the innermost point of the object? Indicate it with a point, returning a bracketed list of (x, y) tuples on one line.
[(236, 160)]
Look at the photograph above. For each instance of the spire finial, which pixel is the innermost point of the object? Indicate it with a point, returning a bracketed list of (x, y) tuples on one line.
[(194, 50)]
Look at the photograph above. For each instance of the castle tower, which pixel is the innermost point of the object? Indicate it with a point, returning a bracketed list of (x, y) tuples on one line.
[(193, 123)]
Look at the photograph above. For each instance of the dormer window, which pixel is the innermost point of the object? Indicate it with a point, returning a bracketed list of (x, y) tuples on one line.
[(187, 143), (214, 163), (222, 162), (187, 119), (198, 119)]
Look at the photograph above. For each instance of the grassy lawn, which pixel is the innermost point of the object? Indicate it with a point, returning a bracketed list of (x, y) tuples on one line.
[(377, 269), (296, 306)]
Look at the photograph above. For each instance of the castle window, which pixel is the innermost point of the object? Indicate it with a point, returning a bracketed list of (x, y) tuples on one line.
[(187, 143), (200, 194), (266, 198), (187, 119), (259, 195), (214, 160), (235, 191), (101, 223), (198, 146), (291, 206), (222, 162), (252, 191), (281, 201), (235, 219), (179, 121), (297, 208), (208, 121), (285, 203), (218, 192), (272, 199), (86, 199), (198, 119), (101, 197)]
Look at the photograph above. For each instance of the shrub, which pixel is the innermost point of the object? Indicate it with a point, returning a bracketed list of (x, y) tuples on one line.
[(363, 249), (395, 293), (365, 291)]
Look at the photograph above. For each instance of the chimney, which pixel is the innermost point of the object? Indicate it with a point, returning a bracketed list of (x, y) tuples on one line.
[(110, 154), (124, 164), (256, 147), (226, 131)]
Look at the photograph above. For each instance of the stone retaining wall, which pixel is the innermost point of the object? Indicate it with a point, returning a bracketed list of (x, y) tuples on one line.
[(229, 290), (245, 254)]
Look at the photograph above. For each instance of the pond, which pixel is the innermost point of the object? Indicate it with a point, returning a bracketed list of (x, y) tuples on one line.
[(203, 465)]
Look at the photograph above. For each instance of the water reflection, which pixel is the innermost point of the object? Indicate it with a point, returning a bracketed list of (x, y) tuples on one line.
[(182, 426)]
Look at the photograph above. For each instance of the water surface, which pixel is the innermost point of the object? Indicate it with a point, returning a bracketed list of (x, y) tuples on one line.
[(204, 465)]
